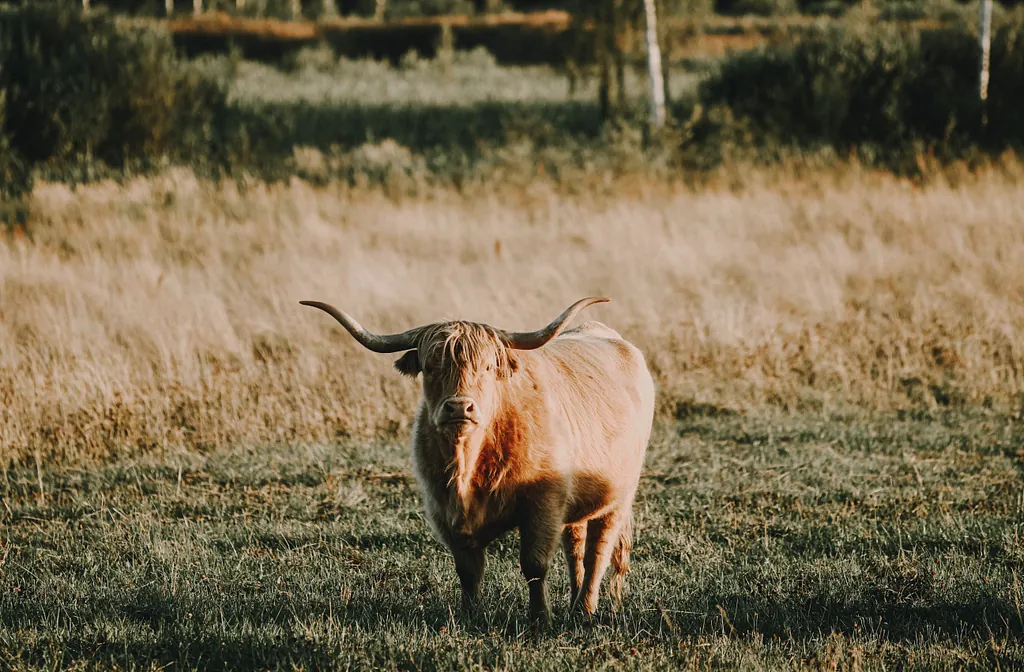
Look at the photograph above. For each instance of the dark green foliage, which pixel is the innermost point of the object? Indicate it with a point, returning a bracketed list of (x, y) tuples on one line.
[(895, 10), (878, 89), (14, 176), (80, 88), (755, 7), (429, 8)]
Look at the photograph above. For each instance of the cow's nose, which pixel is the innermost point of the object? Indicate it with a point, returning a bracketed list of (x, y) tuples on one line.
[(460, 407)]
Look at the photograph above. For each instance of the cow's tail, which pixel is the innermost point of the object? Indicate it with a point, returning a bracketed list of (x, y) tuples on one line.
[(620, 558)]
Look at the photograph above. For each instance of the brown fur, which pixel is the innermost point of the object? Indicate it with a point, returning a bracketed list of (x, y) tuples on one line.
[(557, 451)]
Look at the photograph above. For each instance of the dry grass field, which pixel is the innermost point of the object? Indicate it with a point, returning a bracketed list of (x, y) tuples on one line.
[(164, 312), (200, 473)]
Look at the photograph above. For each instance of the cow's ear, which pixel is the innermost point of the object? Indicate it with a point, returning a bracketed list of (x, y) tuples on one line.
[(408, 364), (509, 366)]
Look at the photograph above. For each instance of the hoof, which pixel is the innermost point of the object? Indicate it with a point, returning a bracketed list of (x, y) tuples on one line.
[(540, 624)]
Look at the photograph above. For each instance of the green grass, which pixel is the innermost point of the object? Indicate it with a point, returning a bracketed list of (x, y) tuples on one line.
[(453, 118), (784, 542), (316, 76)]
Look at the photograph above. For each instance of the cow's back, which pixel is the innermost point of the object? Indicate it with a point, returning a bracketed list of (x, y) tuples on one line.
[(599, 383)]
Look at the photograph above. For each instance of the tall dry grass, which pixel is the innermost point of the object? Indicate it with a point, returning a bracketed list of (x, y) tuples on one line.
[(165, 311)]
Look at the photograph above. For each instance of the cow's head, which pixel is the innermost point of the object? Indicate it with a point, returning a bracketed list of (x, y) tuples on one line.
[(463, 363)]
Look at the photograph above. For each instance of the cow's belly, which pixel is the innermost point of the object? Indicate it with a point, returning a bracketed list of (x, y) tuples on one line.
[(477, 524), (591, 498)]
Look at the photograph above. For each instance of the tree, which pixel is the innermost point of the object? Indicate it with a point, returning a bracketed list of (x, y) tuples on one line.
[(603, 32), (654, 71)]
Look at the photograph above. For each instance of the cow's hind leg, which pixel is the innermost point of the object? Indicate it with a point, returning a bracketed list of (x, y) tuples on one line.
[(602, 536), (574, 539), (620, 559)]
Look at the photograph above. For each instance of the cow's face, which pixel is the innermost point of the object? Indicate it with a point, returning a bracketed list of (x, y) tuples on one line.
[(464, 366)]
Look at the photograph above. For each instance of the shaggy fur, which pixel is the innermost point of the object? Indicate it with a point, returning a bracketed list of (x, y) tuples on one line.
[(548, 440), (557, 453)]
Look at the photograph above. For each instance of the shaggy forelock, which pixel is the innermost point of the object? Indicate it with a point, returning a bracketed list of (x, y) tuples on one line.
[(462, 344)]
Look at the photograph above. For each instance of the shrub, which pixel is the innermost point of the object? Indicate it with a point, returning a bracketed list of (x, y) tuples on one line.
[(14, 179), (80, 88), (832, 8), (411, 8), (878, 88), (320, 58), (764, 8)]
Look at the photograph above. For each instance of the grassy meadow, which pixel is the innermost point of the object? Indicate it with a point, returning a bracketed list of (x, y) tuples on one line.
[(199, 473), (796, 543), (460, 78)]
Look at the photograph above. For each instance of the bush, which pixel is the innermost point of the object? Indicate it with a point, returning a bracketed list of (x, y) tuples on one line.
[(14, 179), (881, 88), (79, 88), (411, 8), (764, 8)]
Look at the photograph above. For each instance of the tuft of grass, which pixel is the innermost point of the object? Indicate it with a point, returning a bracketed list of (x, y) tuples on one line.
[(163, 312), (761, 543)]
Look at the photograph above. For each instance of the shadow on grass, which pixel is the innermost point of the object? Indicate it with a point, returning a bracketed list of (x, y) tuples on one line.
[(262, 617), (444, 134), (423, 127), (264, 630)]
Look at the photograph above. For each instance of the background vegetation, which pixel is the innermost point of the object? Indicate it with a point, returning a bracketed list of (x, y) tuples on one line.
[(880, 90), (84, 96), (78, 90)]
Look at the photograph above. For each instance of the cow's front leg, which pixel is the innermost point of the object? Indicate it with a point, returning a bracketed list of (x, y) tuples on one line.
[(539, 534), (469, 564)]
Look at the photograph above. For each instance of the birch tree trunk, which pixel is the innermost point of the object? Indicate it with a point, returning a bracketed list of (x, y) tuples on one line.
[(654, 70), (985, 37)]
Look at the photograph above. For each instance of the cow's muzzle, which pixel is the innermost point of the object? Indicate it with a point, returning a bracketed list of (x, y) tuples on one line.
[(457, 411)]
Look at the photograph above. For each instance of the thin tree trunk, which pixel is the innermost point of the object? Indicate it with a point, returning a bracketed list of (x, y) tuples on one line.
[(603, 47), (666, 51), (985, 38), (654, 71), (618, 49)]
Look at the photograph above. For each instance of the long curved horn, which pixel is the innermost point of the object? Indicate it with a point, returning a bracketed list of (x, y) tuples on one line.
[(534, 339), (376, 342)]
